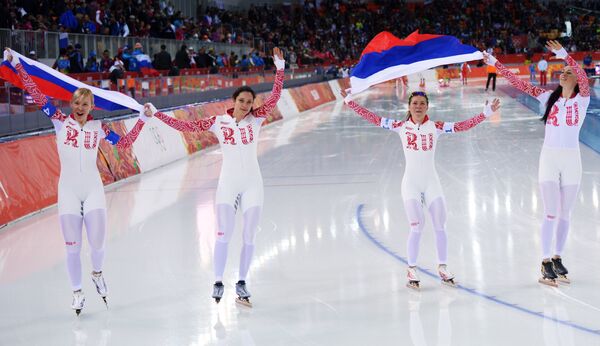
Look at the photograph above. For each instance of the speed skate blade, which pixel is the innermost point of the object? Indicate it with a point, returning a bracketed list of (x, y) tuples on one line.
[(548, 282), (450, 283), (243, 301), (414, 285)]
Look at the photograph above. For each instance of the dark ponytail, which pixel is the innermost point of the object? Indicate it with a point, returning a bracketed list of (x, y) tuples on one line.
[(553, 98)]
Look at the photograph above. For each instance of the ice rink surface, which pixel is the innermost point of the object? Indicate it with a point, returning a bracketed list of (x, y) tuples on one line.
[(329, 261)]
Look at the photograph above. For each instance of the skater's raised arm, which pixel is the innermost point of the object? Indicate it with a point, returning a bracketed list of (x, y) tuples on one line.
[(270, 103), (183, 125), (488, 110), (511, 77), (370, 116), (42, 101), (561, 53)]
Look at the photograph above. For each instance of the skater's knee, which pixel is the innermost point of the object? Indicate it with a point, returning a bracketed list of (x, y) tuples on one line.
[(550, 216), (73, 247), (97, 246), (249, 237), (565, 214), (223, 237), (439, 223), (416, 226)]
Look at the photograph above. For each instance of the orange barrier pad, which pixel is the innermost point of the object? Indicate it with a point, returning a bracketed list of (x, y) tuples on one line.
[(29, 176), (312, 95)]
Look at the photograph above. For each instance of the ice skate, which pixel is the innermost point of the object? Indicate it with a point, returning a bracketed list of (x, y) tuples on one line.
[(446, 276), (243, 297), (548, 275), (218, 289), (101, 288), (560, 270), (78, 301), (413, 278)]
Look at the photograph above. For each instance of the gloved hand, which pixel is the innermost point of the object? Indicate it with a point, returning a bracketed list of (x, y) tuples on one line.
[(561, 53), (557, 49), (489, 59), (345, 94), (279, 63), (148, 112), (278, 59), (9, 56)]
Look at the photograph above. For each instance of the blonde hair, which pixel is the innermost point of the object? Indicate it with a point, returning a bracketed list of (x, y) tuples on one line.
[(81, 93)]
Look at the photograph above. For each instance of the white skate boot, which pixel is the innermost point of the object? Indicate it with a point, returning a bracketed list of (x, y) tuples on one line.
[(243, 294), (78, 301), (446, 276), (413, 278), (218, 291), (101, 288)]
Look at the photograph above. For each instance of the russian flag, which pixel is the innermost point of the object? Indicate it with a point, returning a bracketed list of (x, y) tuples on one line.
[(145, 65), (60, 86), (387, 57)]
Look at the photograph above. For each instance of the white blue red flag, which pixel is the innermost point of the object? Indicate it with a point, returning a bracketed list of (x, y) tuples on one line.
[(145, 65), (60, 86), (387, 57)]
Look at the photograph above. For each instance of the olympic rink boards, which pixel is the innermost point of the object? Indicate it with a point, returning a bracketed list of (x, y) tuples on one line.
[(329, 261)]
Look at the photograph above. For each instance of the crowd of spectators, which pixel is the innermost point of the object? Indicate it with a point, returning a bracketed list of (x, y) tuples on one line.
[(341, 29), (140, 18), (317, 30), (71, 60)]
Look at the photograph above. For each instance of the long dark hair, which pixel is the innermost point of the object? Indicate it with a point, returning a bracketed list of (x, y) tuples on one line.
[(552, 100), (416, 93)]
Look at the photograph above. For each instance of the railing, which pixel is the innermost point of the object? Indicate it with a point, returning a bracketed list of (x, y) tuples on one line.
[(46, 44), (14, 101)]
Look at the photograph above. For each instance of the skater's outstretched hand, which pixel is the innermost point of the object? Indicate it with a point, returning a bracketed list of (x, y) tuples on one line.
[(148, 112), (557, 49), (489, 59), (347, 97), (278, 58), (277, 53), (8, 56), (491, 108)]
